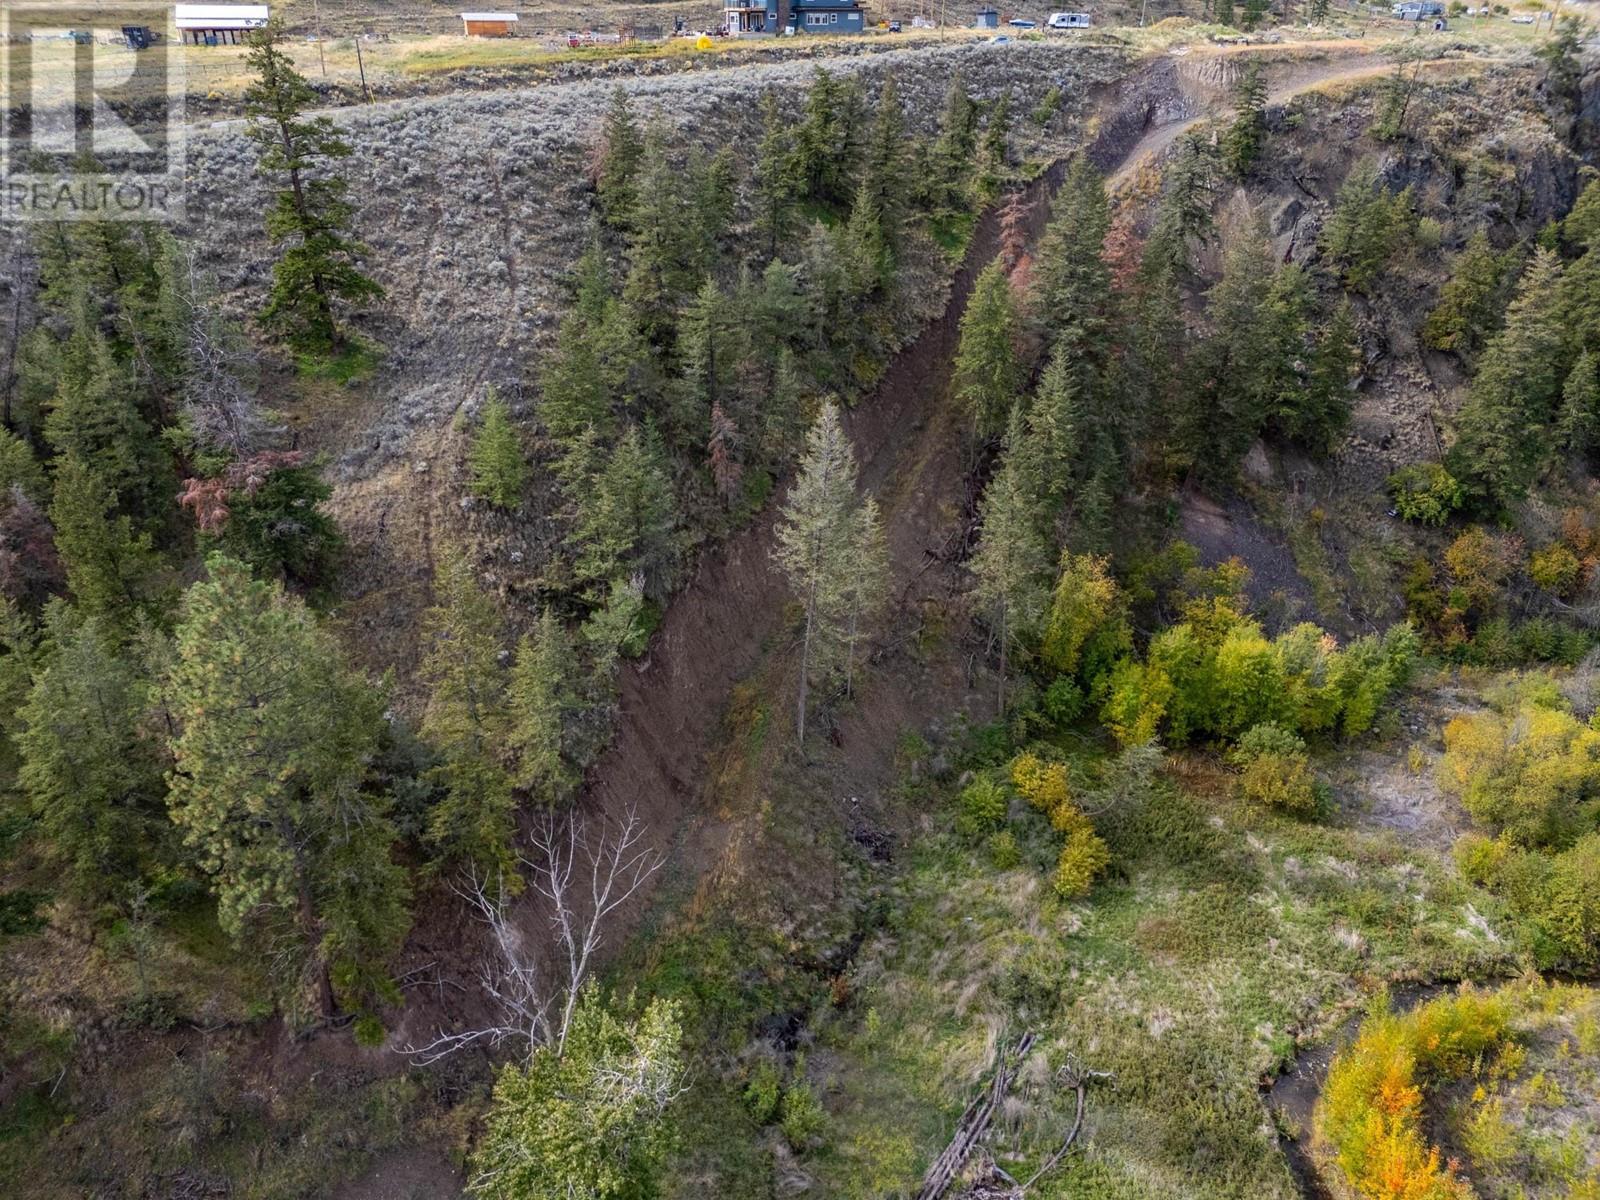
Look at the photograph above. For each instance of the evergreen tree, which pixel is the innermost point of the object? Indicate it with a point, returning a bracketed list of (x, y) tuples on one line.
[(1255, 12), (1368, 226), (988, 370), (1472, 300), (274, 736), (1046, 457), (627, 518), (1317, 12), (708, 357), (1189, 189), (109, 565), (1071, 297), (499, 470), (886, 175), (1241, 144), (466, 721), (778, 177), (1222, 11), (823, 153), (597, 358), (1320, 418), (19, 468), (865, 583), (1238, 372), (955, 150), (713, 195), (310, 217), (1562, 53), (541, 699), (19, 654), (1012, 558), (1582, 225), (94, 419), (864, 251), (817, 532), (663, 259), (1580, 301), (621, 151), (93, 780), (1503, 428), (1579, 426), (994, 155)]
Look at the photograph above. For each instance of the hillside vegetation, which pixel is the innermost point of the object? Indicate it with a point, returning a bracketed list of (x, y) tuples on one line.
[(671, 639)]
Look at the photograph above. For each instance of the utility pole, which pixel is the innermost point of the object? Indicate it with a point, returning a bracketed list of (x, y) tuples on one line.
[(362, 67), (321, 56)]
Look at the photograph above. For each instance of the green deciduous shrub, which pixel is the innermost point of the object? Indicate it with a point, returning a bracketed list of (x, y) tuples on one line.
[(981, 808), (1425, 493)]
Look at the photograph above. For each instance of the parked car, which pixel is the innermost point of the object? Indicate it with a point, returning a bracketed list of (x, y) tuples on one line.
[(1020, 23), (894, 26), (1522, 18)]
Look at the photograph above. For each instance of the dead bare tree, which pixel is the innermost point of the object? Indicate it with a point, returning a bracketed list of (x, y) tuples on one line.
[(584, 880), (219, 364)]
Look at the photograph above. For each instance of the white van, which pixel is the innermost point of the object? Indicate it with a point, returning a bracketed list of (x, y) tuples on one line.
[(1066, 20)]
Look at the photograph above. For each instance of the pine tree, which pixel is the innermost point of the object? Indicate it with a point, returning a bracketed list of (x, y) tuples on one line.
[(822, 154), (19, 655), (778, 177), (1320, 418), (627, 518), (1222, 12), (864, 251), (1473, 299), (1011, 559), (662, 255), (955, 149), (466, 721), (707, 355), (595, 356), (866, 581), (1368, 225), (1579, 426), (713, 196), (93, 779), (109, 565), (1582, 225), (1071, 298), (1241, 144), (988, 370), (1317, 12), (1503, 428), (274, 736), (19, 468), (94, 419), (994, 156), (1046, 457), (886, 175), (1189, 191), (816, 534), (1580, 301), (621, 151), (541, 699), (310, 217), (499, 470)]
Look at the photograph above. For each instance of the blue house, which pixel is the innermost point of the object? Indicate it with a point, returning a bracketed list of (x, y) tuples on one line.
[(793, 16)]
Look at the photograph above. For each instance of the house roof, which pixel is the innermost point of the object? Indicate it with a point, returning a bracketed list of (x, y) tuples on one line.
[(488, 16), (220, 16)]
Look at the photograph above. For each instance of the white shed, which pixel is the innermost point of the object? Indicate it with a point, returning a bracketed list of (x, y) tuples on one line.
[(489, 24), (218, 24)]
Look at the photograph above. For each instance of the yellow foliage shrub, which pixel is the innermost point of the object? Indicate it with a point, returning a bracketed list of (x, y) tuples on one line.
[(1042, 784), (1371, 1106)]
